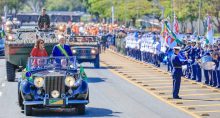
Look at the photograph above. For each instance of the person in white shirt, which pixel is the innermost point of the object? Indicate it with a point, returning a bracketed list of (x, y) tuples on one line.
[(157, 50)]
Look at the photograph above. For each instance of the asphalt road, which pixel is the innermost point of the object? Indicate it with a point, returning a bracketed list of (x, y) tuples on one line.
[(110, 96)]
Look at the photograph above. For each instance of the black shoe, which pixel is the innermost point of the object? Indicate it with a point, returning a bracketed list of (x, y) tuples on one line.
[(177, 97), (214, 85), (218, 87)]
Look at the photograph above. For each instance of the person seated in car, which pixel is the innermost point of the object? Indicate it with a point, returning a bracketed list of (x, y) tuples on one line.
[(44, 20), (38, 51), (41, 63), (62, 49), (63, 63)]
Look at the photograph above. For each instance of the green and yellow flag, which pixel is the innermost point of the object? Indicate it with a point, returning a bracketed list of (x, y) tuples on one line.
[(82, 73)]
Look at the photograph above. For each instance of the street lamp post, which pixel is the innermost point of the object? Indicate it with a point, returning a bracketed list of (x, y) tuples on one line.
[(113, 14)]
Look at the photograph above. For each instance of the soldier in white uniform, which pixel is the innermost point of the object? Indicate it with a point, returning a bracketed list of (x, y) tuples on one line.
[(157, 50)]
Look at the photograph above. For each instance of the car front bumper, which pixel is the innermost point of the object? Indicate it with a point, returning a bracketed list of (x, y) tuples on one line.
[(68, 102)]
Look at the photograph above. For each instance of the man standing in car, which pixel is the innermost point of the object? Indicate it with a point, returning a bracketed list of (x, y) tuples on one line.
[(44, 20)]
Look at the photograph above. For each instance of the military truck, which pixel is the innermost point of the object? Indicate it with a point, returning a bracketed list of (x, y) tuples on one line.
[(86, 49), (18, 46)]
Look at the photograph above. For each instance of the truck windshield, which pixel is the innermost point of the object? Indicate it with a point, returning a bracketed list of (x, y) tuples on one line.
[(84, 39)]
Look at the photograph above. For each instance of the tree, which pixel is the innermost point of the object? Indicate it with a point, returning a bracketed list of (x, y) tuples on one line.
[(212, 7), (124, 9), (35, 5), (63, 5)]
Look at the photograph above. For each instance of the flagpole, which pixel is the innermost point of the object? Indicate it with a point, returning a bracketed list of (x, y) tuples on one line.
[(173, 13), (199, 17)]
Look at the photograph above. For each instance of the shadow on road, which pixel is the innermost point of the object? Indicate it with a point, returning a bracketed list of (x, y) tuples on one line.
[(90, 112), (95, 79)]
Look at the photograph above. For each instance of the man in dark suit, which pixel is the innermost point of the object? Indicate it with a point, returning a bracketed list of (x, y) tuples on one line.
[(62, 49)]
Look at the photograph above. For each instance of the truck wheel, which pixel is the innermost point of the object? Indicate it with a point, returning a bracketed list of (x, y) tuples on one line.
[(80, 109), (27, 110), (10, 68), (96, 62)]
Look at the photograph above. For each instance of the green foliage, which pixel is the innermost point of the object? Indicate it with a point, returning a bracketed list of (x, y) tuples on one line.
[(62, 5), (124, 9)]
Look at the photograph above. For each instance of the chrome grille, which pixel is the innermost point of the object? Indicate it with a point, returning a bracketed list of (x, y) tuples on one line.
[(84, 51), (54, 83)]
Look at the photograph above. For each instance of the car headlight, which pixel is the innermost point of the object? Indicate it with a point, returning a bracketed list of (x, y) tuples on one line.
[(8, 29), (93, 51), (55, 94), (74, 51), (60, 28), (10, 38), (69, 81), (39, 82)]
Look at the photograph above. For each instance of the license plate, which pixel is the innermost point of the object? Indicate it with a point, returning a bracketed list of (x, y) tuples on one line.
[(83, 57), (56, 102)]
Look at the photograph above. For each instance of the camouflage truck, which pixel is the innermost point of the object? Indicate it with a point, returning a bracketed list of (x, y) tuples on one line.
[(18, 46)]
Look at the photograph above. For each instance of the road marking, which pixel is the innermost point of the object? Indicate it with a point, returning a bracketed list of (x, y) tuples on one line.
[(197, 94), (171, 86), (186, 90), (153, 94), (212, 111), (153, 80), (3, 85), (0, 93), (197, 100), (205, 105)]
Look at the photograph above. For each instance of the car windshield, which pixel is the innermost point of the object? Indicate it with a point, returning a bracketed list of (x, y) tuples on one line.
[(83, 41), (39, 63)]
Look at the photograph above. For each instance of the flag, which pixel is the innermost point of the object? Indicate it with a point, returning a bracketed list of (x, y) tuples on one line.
[(27, 74), (172, 34), (82, 73), (167, 38), (170, 41), (210, 33), (163, 32), (175, 26)]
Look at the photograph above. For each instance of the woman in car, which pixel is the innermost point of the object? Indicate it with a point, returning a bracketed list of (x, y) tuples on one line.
[(38, 51)]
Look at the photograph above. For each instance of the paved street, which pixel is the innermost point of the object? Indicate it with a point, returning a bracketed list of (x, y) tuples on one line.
[(110, 96)]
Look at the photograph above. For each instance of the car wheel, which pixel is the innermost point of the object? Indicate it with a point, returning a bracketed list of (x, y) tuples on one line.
[(10, 68), (96, 63), (27, 110), (20, 101), (80, 109)]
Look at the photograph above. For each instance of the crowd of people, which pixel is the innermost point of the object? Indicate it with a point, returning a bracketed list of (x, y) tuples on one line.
[(202, 58)]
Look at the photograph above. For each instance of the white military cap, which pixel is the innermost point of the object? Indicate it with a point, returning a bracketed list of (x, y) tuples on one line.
[(177, 48)]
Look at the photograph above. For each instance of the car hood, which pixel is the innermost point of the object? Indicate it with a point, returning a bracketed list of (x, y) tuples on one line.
[(50, 73)]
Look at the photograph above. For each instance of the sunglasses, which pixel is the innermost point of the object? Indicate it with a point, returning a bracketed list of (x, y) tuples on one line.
[(41, 42)]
